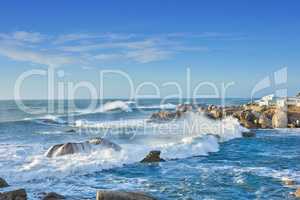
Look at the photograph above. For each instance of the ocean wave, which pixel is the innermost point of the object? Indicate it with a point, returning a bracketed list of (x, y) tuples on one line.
[(186, 142), (47, 119)]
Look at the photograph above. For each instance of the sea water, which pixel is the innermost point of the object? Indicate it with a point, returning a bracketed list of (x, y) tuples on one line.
[(209, 161)]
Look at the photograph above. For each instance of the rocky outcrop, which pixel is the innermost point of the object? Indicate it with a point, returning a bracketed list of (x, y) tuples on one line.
[(165, 116), (264, 121), (120, 195), (53, 196), (153, 156), (71, 148), (297, 193), (19, 194), (3, 183), (279, 119)]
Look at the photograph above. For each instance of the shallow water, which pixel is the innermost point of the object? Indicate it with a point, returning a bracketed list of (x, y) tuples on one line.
[(197, 167)]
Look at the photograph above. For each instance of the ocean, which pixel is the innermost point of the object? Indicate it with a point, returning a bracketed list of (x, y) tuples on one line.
[(209, 161)]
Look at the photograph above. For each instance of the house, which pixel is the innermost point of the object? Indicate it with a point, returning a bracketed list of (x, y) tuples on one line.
[(266, 100), (290, 101)]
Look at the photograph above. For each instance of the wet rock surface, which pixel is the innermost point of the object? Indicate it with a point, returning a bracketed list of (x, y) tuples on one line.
[(52, 196), (72, 148), (153, 156), (120, 195), (19, 194), (3, 183)]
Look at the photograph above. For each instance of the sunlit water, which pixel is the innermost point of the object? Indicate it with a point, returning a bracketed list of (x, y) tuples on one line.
[(197, 167)]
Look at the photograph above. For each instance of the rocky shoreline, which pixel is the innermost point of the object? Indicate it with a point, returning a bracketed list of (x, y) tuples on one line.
[(251, 116)]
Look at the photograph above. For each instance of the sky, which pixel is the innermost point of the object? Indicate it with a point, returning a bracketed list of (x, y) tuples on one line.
[(159, 43)]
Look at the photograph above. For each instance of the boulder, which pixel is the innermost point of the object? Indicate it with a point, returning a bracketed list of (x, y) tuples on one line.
[(3, 183), (153, 156), (120, 195), (19, 194), (264, 121), (297, 193), (248, 134), (165, 116), (53, 196), (72, 148), (279, 119)]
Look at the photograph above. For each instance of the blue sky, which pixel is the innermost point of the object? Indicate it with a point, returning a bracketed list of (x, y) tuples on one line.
[(154, 41)]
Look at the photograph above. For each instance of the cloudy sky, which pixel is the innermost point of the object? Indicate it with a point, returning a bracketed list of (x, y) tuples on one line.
[(151, 41)]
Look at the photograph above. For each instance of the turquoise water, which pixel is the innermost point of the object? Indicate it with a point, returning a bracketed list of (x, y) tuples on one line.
[(197, 167)]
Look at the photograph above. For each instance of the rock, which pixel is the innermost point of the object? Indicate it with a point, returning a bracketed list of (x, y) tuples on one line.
[(53, 196), (217, 113), (71, 148), (248, 134), (153, 156), (14, 195), (288, 181), (3, 183), (297, 193), (184, 107), (165, 116), (119, 195), (71, 130), (279, 119), (264, 121)]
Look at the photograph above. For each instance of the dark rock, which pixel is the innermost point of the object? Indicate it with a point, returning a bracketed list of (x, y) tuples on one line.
[(71, 148), (71, 130), (3, 183), (14, 195), (119, 195), (53, 196), (165, 116), (153, 156), (248, 134)]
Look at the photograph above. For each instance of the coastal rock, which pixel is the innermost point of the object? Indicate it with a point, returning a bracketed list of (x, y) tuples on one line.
[(3, 183), (165, 116), (297, 193), (279, 119), (71, 148), (120, 195), (264, 121), (153, 156), (53, 196), (184, 107), (19, 194), (248, 134)]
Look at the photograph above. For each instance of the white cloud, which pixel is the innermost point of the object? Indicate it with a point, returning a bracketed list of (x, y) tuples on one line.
[(87, 49)]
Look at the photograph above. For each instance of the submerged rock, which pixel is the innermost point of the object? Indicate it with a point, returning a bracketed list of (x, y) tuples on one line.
[(71, 148), (19, 194), (3, 183), (53, 196), (120, 195), (248, 134), (153, 156)]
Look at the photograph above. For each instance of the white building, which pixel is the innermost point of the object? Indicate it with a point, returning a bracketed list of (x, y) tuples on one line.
[(290, 101), (267, 100)]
